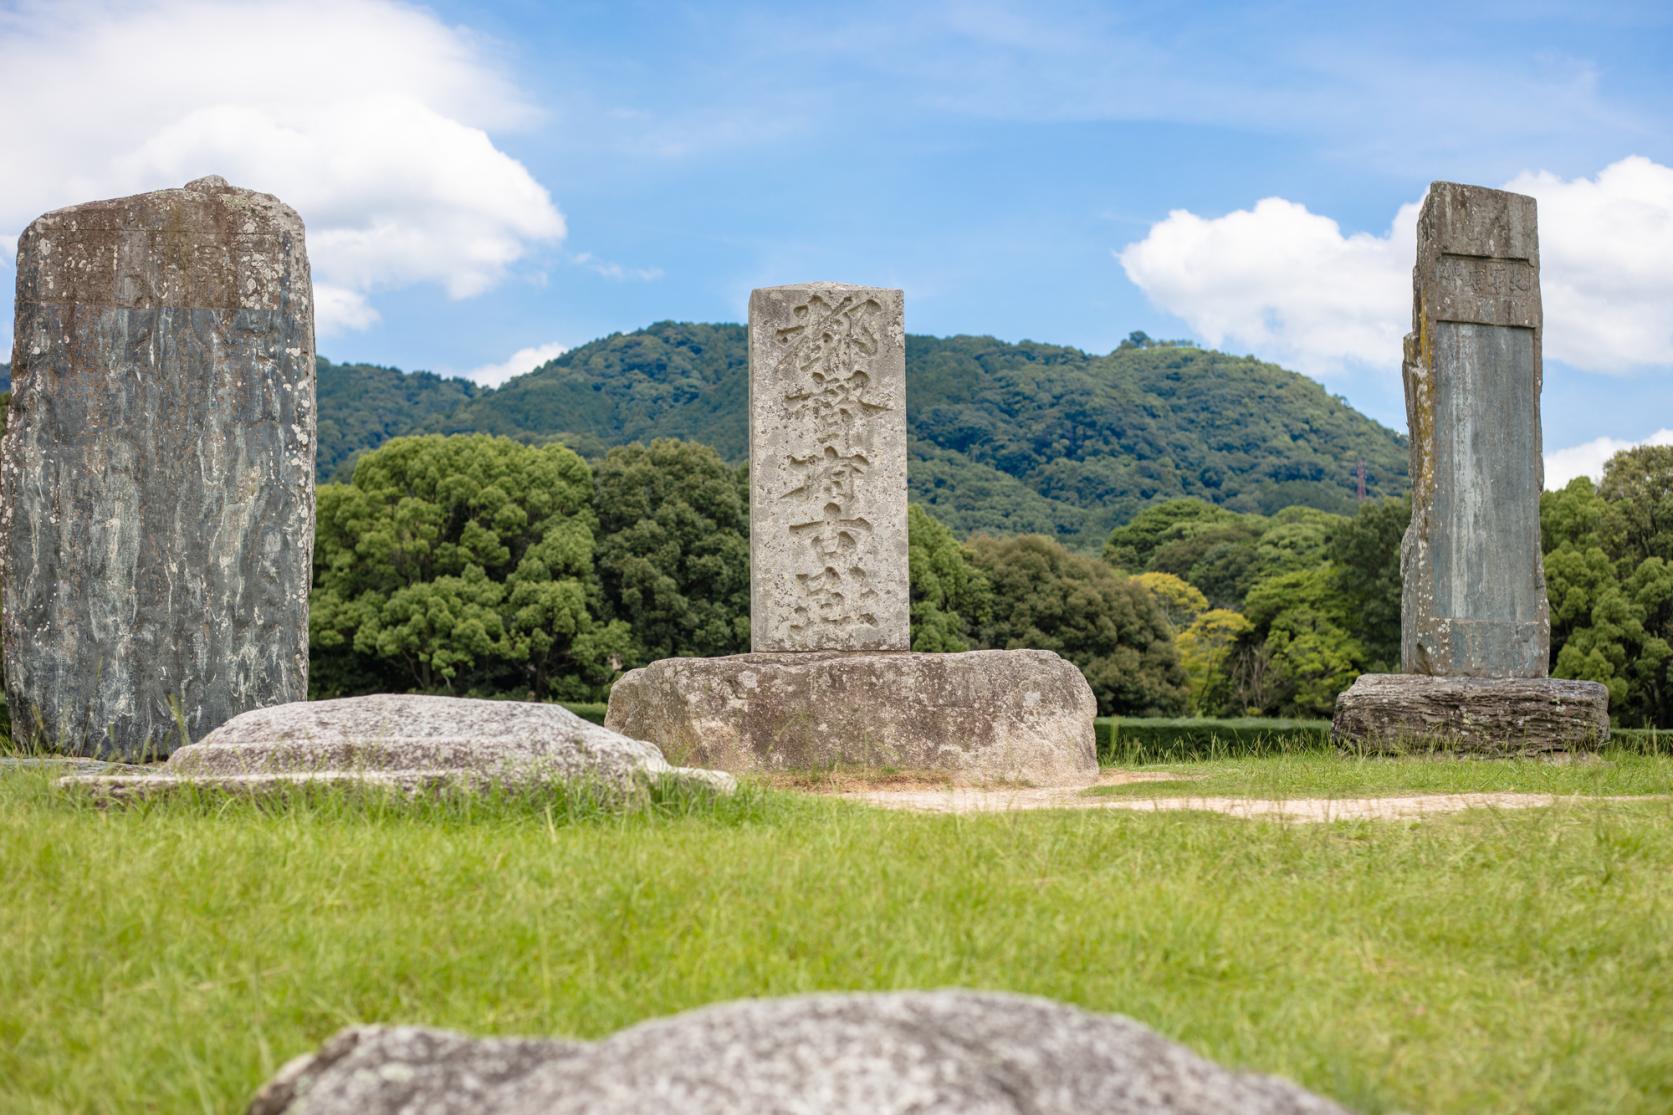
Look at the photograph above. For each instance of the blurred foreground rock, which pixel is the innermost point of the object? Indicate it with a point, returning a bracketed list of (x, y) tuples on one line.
[(408, 742), (973, 1053)]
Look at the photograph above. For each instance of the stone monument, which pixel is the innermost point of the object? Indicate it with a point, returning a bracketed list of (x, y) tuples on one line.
[(157, 473), (1475, 634), (830, 680), (827, 469)]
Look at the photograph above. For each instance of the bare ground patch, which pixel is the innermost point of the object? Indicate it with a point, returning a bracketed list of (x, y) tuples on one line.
[(947, 798)]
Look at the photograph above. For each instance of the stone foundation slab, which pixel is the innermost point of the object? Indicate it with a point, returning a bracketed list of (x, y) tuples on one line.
[(1489, 716), (407, 742)]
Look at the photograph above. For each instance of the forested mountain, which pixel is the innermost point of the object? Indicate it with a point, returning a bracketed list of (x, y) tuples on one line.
[(361, 406), (1005, 437)]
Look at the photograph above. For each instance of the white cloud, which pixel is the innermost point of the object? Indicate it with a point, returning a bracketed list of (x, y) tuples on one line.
[(370, 117), (1281, 281), (615, 270), (343, 309), (1286, 283), (523, 360), (1588, 458), (1606, 264)]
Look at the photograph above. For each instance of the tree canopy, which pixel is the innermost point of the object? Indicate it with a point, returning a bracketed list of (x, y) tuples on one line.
[(1049, 598), (462, 565), (673, 552)]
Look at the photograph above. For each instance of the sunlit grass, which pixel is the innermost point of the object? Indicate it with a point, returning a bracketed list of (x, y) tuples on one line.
[(170, 957), (1332, 775)]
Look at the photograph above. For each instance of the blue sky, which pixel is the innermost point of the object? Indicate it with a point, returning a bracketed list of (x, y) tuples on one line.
[(480, 179)]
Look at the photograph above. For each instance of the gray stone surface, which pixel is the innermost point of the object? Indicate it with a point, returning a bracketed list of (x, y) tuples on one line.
[(827, 469), (382, 1070), (1023, 715), (973, 1053), (1485, 716), (157, 474), (1474, 584), (408, 741)]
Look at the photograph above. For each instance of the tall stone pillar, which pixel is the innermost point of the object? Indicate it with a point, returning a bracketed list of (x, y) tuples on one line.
[(831, 681), (1475, 631), (156, 477), (827, 469), (1472, 572)]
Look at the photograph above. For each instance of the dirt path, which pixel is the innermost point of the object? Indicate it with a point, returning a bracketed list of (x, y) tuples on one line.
[(949, 799)]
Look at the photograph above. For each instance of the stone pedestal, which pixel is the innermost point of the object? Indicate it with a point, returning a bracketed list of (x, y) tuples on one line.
[(1395, 713), (1018, 715)]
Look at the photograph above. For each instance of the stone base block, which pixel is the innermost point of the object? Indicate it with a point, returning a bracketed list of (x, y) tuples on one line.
[(406, 742), (1487, 716), (1015, 715)]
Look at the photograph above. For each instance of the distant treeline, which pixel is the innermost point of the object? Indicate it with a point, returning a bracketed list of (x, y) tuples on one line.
[(473, 564)]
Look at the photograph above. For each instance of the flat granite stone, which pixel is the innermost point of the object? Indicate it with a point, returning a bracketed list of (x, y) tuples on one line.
[(408, 742), (1022, 715), (1487, 716), (157, 472), (922, 1052)]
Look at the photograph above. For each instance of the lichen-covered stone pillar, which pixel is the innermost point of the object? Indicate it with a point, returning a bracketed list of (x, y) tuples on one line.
[(156, 477), (1473, 574), (827, 469), (1475, 630)]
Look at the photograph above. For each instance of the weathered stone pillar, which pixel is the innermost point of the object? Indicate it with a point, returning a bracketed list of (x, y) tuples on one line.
[(827, 469), (1473, 610), (831, 681), (1473, 575), (156, 477)]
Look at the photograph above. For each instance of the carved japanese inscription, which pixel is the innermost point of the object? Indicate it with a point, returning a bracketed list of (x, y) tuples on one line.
[(1474, 583), (827, 462)]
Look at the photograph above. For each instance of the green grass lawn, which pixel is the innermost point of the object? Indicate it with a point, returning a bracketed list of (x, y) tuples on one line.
[(1330, 775), (168, 957)]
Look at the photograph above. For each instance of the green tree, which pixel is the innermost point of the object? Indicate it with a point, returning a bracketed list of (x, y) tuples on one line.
[(1295, 538), (361, 406), (950, 597), (673, 548), (460, 564), (1205, 650), (1212, 548), (1132, 545), (1611, 599), (1297, 654), (1638, 485), (1179, 601), (1046, 597), (1365, 574)]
